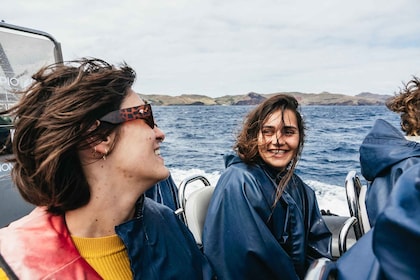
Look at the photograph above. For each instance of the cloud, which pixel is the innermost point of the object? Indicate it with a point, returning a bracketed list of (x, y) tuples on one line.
[(218, 47)]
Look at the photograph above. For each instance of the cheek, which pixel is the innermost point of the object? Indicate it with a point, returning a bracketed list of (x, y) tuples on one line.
[(260, 140), (144, 144), (261, 143), (294, 142), (134, 146)]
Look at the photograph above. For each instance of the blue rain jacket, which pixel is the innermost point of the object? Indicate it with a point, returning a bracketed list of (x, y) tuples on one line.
[(245, 238), (160, 246), (391, 249), (385, 154)]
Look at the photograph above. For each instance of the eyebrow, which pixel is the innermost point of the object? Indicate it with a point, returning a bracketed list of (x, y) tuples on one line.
[(284, 126), (290, 127)]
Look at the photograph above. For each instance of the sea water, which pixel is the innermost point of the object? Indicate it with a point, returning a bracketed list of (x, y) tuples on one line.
[(197, 137)]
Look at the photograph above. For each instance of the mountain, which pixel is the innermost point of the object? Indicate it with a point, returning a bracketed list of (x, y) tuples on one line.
[(252, 98)]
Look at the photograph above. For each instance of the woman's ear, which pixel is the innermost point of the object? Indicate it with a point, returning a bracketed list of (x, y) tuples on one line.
[(105, 145), (91, 141), (101, 146)]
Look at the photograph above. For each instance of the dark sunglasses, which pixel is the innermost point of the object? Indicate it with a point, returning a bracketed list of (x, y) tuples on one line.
[(142, 112)]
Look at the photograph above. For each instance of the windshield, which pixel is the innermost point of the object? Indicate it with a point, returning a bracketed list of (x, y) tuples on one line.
[(23, 51)]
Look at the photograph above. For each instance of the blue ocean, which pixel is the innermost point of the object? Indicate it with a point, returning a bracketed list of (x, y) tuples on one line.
[(197, 137)]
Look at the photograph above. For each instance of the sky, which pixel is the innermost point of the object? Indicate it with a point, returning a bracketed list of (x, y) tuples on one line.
[(232, 47)]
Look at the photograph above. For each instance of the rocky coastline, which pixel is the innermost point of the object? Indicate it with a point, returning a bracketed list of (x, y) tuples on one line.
[(252, 98)]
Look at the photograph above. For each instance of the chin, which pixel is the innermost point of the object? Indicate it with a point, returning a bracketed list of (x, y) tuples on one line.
[(281, 163), (165, 173)]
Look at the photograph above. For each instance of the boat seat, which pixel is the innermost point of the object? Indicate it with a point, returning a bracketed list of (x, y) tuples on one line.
[(196, 211), (194, 204), (356, 194)]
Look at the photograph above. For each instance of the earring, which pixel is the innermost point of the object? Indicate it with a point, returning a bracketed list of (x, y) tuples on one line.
[(105, 154)]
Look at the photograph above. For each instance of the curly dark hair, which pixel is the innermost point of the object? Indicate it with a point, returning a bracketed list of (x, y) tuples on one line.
[(407, 104), (246, 144), (53, 121)]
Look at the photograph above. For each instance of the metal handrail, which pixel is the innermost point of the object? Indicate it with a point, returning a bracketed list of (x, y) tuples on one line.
[(342, 237), (181, 192), (353, 186)]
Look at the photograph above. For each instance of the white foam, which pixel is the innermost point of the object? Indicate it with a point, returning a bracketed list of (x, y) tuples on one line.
[(330, 197)]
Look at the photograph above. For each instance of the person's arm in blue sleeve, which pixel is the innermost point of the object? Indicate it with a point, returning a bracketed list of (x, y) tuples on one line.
[(396, 241)]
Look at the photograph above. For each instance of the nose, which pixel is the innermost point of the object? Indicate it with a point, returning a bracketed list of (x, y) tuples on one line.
[(160, 135), (278, 138)]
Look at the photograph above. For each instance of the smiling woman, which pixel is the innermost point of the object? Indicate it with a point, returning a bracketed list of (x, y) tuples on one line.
[(85, 151), (263, 221)]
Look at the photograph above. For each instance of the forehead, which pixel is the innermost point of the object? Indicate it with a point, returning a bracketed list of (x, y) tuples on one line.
[(132, 99), (278, 117)]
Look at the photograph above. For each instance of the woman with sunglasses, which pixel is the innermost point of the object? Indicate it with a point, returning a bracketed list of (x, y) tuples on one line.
[(86, 149), (263, 221)]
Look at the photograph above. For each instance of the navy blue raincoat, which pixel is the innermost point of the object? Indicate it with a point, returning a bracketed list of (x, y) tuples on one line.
[(385, 154), (160, 246), (245, 238), (390, 250)]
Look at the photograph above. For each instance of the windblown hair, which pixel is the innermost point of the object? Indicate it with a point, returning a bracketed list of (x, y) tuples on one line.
[(53, 120), (407, 104), (246, 144)]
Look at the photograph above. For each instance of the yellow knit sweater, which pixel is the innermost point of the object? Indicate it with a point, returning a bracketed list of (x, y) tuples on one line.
[(107, 255), (3, 275)]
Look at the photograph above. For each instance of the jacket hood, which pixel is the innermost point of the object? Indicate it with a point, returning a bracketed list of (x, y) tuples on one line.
[(230, 159), (383, 147)]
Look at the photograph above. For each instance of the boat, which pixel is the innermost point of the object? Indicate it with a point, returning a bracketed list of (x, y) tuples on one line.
[(23, 51)]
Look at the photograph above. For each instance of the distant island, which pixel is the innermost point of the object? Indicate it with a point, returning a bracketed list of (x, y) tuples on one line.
[(252, 98)]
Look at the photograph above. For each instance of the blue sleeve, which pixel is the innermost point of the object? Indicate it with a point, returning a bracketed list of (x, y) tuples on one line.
[(236, 239), (396, 240), (381, 188)]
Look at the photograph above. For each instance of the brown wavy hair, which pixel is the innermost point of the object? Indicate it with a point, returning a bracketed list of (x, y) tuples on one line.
[(53, 121), (407, 104), (246, 144)]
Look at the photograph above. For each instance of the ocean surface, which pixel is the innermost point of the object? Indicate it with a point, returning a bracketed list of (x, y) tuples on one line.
[(197, 137)]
